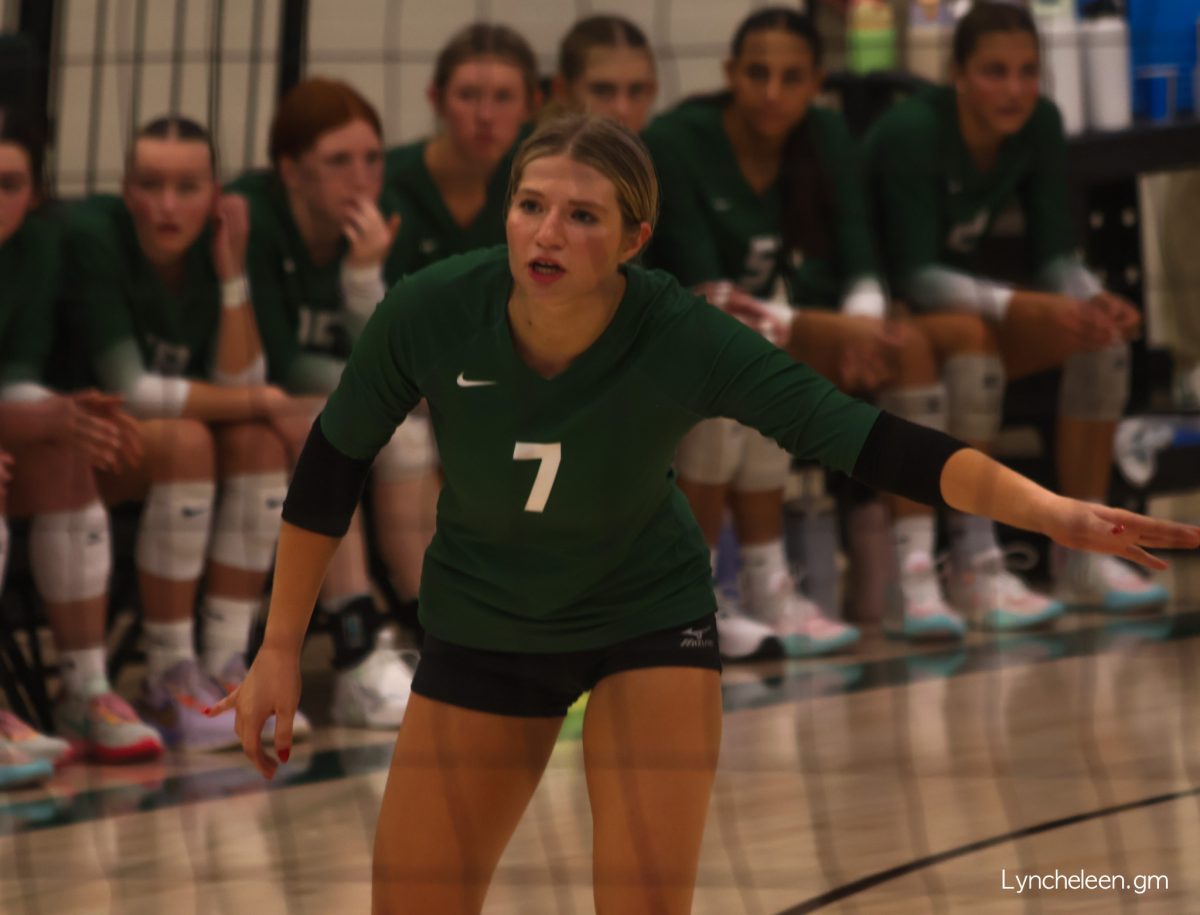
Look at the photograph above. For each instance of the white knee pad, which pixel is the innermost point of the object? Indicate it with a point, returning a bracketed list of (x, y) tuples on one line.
[(711, 452), (247, 527), (925, 405), (173, 531), (1095, 386), (764, 464), (410, 452), (70, 553), (975, 396)]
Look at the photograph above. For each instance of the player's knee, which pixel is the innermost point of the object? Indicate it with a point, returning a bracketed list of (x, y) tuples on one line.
[(70, 553), (410, 453), (975, 396), (1095, 386), (184, 450), (248, 516), (925, 405), (250, 447), (174, 529)]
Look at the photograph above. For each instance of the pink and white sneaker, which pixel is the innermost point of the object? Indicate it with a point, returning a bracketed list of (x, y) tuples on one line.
[(105, 728), (995, 599), (17, 734)]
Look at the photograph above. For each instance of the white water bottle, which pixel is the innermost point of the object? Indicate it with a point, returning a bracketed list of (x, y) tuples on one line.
[(1062, 65), (1106, 67)]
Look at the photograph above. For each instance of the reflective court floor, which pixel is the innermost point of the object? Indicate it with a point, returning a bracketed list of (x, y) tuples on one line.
[(895, 779)]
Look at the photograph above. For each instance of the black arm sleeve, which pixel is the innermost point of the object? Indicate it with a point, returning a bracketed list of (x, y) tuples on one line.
[(326, 487), (906, 459)]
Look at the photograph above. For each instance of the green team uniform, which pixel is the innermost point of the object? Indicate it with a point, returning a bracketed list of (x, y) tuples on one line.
[(715, 226), (130, 320), (560, 526), (935, 206), (305, 328), (29, 275), (429, 231)]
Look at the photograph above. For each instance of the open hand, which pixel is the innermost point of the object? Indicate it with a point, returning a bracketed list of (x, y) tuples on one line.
[(1089, 526), (271, 687)]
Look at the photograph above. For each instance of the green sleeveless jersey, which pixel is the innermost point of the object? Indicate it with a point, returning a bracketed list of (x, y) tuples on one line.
[(560, 526), (934, 205), (115, 296), (29, 276), (714, 225)]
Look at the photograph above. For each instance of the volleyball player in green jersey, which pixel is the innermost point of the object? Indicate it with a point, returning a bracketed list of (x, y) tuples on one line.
[(943, 166), (605, 68), (560, 380), (321, 229), (155, 282), (451, 186), (58, 444)]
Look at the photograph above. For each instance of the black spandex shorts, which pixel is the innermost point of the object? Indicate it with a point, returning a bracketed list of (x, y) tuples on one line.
[(546, 685)]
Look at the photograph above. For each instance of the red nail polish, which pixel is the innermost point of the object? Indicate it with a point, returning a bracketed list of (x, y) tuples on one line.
[(207, 710), (1119, 529), (284, 754)]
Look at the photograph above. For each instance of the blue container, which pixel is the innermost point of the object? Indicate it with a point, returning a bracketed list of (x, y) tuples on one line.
[(1163, 33), (1157, 92)]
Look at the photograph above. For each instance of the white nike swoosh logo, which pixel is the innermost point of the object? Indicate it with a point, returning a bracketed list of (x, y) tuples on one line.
[(465, 383)]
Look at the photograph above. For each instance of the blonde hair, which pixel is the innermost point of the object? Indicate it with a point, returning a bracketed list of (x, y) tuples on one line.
[(612, 150)]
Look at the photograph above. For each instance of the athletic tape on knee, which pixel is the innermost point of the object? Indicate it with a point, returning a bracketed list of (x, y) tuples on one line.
[(974, 396), (247, 526), (173, 531), (1095, 386), (410, 452), (925, 405), (70, 553)]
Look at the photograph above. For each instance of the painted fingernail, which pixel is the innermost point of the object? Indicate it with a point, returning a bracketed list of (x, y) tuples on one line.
[(207, 710), (1119, 529), (284, 754)]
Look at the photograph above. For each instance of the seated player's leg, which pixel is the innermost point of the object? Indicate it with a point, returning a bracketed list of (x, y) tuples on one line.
[(651, 738), (175, 483), (769, 593), (707, 460), (1092, 398), (251, 467), (918, 395), (70, 557), (979, 584)]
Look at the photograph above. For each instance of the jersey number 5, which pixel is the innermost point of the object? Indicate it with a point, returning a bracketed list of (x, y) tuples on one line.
[(550, 456)]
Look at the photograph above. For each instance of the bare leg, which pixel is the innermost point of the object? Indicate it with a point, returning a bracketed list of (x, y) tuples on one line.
[(459, 782), (651, 739), (405, 512)]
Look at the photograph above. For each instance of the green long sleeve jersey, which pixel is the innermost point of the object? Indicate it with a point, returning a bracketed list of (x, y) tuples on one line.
[(934, 205), (714, 225), (29, 276), (559, 526)]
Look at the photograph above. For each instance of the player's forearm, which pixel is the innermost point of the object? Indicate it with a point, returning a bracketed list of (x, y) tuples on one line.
[(239, 349), (974, 483), (301, 561), (23, 424)]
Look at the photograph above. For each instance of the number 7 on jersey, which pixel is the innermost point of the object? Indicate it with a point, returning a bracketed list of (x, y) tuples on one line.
[(550, 456)]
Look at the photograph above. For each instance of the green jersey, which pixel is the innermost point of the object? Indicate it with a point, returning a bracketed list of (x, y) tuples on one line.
[(934, 205), (714, 225), (29, 275), (131, 320), (306, 329), (560, 526), (429, 232)]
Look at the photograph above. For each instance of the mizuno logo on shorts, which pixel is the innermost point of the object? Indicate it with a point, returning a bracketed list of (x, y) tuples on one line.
[(696, 638)]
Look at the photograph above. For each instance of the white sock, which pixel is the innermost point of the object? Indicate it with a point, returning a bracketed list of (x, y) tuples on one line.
[(167, 644), (971, 536), (764, 567), (913, 535), (83, 672), (226, 632)]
